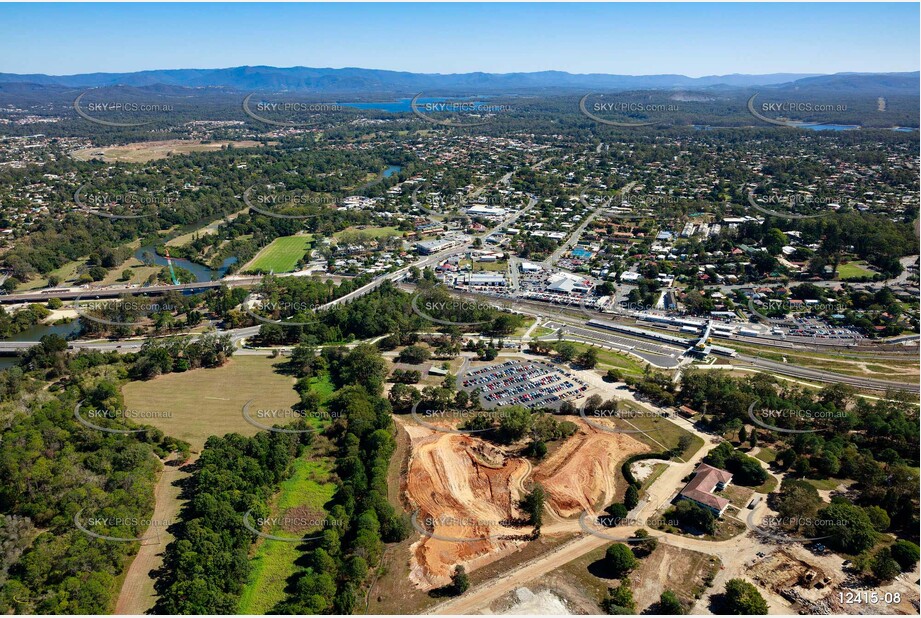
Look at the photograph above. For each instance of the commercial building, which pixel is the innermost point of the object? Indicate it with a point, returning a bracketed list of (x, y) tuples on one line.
[(484, 279), (486, 211), (428, 247)]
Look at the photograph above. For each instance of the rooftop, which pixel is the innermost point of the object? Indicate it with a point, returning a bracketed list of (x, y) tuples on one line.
[(705, 481)]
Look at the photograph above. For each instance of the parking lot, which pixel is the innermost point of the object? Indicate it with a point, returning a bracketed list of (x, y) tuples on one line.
[(819, 329), (532, 384)]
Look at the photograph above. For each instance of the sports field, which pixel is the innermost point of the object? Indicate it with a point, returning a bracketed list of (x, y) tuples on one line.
[(281, 255)]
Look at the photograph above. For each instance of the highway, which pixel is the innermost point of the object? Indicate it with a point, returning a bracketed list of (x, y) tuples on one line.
[(115, 292)]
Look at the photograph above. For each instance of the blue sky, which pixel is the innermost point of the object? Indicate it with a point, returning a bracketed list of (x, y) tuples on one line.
[(690, 39)]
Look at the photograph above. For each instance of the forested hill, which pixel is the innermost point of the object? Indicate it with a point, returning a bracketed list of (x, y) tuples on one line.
[(307, 79)]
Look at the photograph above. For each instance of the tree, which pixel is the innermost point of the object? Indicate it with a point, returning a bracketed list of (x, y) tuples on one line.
[(618, 513), (414, 355), (566, 351), (631, 497), (742, 598), (588, 359), (620, 559), (670, 604), (402, 397), (693, 517), (515, 423), (883, 566), (685, 441), (461, 399), (533, 505), (743, 435), (878, 517), (620, 600), (613, 375), (906, 554), (848, 527), (460, 582), (592, 403), (645, 545)]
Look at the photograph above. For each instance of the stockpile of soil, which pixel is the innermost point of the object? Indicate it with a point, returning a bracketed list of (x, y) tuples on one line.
[(584, 472), (465, 489)]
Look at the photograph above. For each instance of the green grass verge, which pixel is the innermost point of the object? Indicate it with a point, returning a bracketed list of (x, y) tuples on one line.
[(610, 359)]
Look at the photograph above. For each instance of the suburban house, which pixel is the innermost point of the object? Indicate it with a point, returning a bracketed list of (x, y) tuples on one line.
[(707, 479)]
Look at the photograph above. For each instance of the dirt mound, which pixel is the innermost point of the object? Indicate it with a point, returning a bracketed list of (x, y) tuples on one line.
[(585, 471), (466, 492)]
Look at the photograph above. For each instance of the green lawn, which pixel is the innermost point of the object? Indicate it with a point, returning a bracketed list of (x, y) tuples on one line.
[(825, 484), (274, 561), (660, 432), (373, 232), (281, 255), (853, 270), (323, 387), (611, 359)]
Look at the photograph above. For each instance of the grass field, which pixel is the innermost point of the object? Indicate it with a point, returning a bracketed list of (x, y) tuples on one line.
[(853, 270), (373, 232), (207, 402), (281, 255), (274, 562), (661, 434), (66, 273), (142, 152), (848, 363), (611, 359)]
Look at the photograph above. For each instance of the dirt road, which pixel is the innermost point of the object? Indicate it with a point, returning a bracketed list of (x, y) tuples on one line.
[(137, 595)]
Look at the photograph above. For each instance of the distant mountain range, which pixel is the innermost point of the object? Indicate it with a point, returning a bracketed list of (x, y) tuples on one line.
[(355, 80)]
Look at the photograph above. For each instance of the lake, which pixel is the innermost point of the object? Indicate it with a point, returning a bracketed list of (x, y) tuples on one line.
[(35, 333), (828, 127), (201, 272), (403, 105)]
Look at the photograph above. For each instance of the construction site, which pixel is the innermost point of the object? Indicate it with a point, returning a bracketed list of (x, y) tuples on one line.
[(817, 584), (465, 493)]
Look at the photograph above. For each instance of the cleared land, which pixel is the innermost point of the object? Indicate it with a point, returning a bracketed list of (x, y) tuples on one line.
[(281, 255), (208, 402), (142, 152), (373, 232), (583, 473), (680, 570), (463, 488), (854, 270), (467, 488)]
